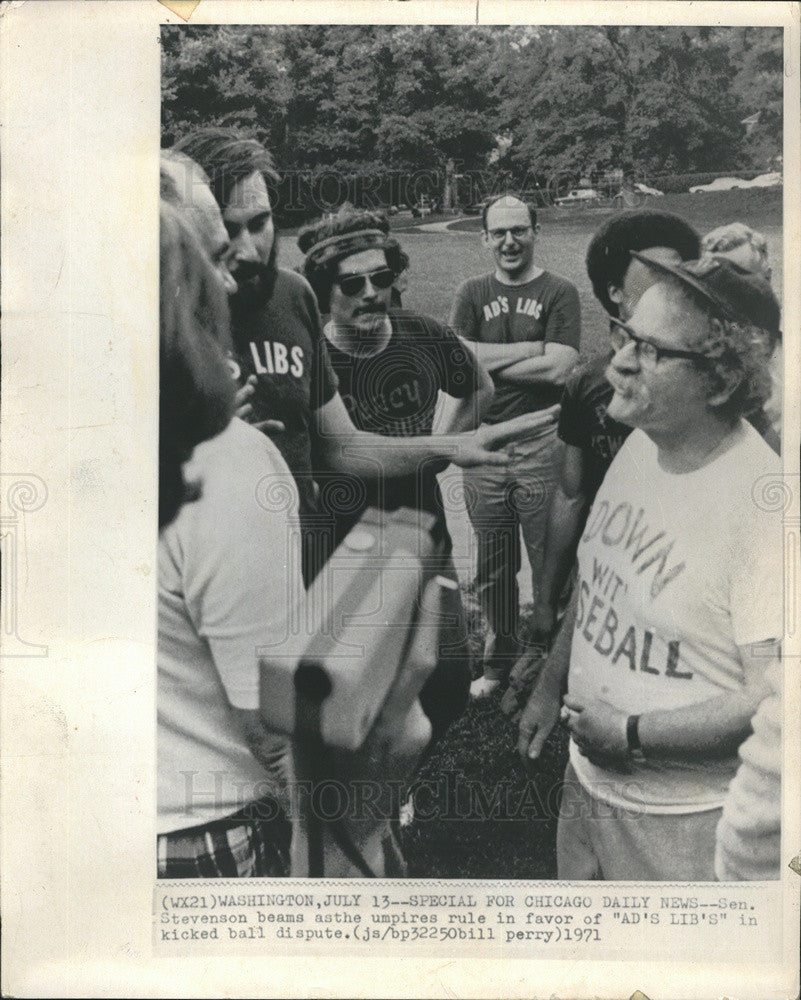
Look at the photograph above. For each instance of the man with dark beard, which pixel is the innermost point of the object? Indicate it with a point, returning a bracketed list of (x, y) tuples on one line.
[(279, 348), (275, 322)]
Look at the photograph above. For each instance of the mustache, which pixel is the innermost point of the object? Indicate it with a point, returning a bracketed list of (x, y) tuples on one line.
[(366, 310)]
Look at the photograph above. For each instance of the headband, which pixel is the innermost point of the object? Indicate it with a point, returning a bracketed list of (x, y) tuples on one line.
[(343, 245)]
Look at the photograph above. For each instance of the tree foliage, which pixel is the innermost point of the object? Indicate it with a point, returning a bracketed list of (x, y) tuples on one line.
[(538, 101)]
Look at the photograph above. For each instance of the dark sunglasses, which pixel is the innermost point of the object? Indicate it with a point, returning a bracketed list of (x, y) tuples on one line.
[(354, 284)]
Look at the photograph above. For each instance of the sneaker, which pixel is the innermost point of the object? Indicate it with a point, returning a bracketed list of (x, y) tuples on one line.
[(406, 813), (483, 687)]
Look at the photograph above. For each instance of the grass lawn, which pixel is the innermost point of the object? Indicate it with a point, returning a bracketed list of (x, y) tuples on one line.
[(480, 815)]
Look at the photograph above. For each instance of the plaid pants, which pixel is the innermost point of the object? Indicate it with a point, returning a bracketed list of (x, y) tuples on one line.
[(239, 846)]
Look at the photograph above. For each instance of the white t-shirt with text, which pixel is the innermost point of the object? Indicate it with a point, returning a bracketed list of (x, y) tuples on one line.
[(676, 572)]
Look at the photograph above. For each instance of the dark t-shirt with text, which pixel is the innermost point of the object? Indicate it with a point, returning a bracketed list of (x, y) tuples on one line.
[(282, 344), (394, 393), (583, 421), (544, 309)]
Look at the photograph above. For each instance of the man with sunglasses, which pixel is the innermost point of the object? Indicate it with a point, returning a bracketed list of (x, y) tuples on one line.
[(677, 609), (523, 324), (400, 375), (280, 355)]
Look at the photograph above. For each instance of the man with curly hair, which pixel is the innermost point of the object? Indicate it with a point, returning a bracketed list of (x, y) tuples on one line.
[(749, 250), (400, 375), (591, 439), (677, 609)]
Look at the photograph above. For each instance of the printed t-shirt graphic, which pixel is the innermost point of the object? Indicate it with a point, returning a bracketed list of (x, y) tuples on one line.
[(394, 393), (676, 572), (282, 344), (544, 309), (584, 423)]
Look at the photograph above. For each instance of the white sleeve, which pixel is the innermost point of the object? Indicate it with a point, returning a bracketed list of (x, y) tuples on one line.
[(748, 837), (242, 563), (757, 578)]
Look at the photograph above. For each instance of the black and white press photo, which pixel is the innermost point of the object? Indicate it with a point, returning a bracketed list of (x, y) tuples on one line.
[(399, 498), (471, 412)]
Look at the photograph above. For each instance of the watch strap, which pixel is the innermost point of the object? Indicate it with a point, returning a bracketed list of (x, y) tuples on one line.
[(633, 734)]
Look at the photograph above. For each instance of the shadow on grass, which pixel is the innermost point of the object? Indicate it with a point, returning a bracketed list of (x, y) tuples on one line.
[(478, 812)]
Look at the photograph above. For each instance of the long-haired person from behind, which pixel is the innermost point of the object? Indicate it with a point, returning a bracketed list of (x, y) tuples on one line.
[(228, 574)]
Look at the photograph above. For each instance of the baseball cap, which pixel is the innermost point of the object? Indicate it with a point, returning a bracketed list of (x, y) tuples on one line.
[(729, 291)]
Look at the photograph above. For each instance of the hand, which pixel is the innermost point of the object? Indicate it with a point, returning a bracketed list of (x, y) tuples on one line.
[(242, 399), (537, 721), (598, 730), (508, 431), (480, 447), (270, 426), (469, 450), (244, 409), (521, 680)]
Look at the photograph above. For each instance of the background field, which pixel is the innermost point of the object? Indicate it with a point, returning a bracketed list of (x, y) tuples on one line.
[(440, 261), (501, 821)]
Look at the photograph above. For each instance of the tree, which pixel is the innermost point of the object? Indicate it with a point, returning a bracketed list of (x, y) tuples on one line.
[(757, 54), (538, 103), (222, 75)]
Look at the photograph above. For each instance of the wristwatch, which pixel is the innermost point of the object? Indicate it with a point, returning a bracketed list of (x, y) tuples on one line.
[(633, 738)]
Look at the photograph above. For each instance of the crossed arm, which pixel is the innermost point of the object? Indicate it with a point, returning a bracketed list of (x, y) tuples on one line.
[(552, 364), (527, 362), (493, 357)]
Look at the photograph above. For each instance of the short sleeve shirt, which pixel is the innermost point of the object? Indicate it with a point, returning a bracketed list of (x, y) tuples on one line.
[(583, 421), (227, 578), (282, 344), (394, 393), (676, 571), (545, 309)]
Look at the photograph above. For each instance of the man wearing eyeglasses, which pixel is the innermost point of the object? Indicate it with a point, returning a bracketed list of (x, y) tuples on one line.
[(523, 324), (280, 355), (590, 437), (677, 608)]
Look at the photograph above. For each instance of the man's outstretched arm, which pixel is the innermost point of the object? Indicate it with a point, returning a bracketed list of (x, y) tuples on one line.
[(565, 522), (361, 453)]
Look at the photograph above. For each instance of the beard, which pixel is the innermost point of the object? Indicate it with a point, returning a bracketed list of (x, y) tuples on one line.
[(255, 283)]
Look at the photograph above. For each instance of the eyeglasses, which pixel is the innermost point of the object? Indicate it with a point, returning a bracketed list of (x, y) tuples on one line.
[(354, 284), (518, 233), (647, 351)]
